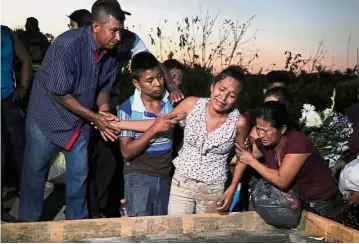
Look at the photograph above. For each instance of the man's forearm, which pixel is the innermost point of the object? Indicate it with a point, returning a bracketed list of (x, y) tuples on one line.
[(71, 104), (137, 146), (103, 102)]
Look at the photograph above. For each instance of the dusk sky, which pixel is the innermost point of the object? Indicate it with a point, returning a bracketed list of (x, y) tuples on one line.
[(282, 25)]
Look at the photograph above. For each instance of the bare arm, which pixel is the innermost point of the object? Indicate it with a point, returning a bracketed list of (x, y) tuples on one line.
[(287, 172), (253, 136), (242, 132), (180, 112), (24, 56), (71, 104), (130, 147), (241, 135)]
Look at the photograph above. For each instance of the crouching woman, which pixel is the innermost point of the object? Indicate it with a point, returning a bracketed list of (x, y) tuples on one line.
[(293, 163)]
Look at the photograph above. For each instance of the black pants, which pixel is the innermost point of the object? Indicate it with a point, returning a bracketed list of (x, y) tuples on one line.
[(333, 208), (106, 187), (12, 141)]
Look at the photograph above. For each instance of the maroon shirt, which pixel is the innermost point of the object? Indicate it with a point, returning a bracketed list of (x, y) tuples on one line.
[(314, 181)]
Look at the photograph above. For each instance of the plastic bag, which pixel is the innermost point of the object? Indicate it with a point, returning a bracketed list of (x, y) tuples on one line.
[(277, 208), (57, 172)]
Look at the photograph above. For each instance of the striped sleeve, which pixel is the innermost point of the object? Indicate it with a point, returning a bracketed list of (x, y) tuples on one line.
[(124, 114), (61, 80), (138, 47)]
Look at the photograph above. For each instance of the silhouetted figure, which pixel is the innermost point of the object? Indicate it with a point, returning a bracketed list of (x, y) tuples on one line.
[(35, 42)]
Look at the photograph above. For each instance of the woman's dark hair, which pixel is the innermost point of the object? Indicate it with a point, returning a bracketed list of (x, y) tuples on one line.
[(282, 94), (276, 114), (82, 17), (232, 71)]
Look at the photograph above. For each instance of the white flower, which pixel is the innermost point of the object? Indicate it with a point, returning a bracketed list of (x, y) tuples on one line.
[(327, 112), (308, 108), (311, 119)]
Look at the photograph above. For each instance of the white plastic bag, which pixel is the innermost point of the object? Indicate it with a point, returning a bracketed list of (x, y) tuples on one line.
[(349, 178), (57, 172)]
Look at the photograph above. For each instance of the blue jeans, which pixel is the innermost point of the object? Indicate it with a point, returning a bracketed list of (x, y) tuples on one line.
[(147, 195), (38, 151)]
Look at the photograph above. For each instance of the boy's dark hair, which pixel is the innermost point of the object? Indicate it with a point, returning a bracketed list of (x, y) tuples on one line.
[(82, 17), (277, 76), (141, 62), (173, 64), (282, 93), (234, 71), (102, 9)]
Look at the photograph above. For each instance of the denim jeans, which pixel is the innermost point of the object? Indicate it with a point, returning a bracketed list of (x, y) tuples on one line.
[(147, 195), (12, 140), (38, 152)]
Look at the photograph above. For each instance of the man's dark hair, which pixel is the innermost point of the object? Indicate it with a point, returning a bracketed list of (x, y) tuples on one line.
[(33, 24), (173, 64), (277, 76), (82, 17), (142, 62), (233, 71), (103, 9), (280, 92), (276, 114)]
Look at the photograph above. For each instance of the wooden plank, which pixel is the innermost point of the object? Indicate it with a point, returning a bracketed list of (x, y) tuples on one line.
[(332, 231), (77, 230)]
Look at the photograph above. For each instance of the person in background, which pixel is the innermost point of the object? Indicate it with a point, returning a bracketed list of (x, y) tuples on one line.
[(148, 155), (293, 162), (352, 111), (349, 180), (12, 118), (175, 68), (275, 78), (64, 93), (104, 155), (80, 18), (35, 41), (212, 126)]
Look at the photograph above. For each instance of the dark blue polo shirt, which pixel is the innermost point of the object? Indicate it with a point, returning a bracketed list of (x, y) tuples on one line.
[(72, 65)]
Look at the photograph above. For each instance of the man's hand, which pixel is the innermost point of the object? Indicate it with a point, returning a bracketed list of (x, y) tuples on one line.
[(19, 93), (111, 117), (226, 200), (243, 155), (354, 198), (176, 96), (164, 123), (102, 121)]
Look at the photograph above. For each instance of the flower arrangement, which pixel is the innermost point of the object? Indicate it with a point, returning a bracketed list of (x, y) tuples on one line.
[(328, 130)]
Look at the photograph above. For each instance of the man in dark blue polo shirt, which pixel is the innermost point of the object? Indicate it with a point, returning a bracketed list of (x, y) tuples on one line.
[(77, 72)]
